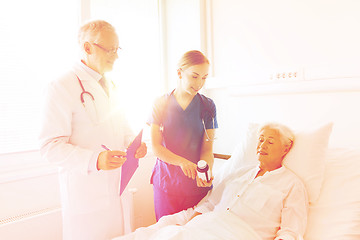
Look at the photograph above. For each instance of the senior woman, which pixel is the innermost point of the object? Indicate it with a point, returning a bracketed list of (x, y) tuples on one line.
[(265, 202)]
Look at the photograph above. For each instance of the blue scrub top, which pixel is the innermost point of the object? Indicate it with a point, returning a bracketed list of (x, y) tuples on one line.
[(183, 132)]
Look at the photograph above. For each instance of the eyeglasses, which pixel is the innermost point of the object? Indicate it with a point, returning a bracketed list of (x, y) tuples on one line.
[(108, 51)]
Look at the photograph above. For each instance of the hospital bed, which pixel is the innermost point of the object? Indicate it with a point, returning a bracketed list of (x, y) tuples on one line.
[(331, 176), (326, 154)]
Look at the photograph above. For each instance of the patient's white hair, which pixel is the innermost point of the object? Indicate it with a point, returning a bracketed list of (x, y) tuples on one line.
[(286, 134)]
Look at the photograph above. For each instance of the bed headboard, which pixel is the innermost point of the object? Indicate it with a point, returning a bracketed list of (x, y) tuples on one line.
[(296, 104)]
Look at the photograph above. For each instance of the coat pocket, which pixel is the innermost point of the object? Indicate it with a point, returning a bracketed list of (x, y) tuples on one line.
[(87, 193)]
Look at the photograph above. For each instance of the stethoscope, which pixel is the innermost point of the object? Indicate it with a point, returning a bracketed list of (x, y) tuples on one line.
[(82, 99), (207, 136), (202, 117), (84, 92)]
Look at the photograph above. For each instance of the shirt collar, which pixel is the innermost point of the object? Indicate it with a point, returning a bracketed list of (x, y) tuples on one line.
[(276, 171), (97, 76)]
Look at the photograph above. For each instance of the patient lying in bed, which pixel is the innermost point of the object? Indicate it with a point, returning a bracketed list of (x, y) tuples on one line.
[(267, 201)]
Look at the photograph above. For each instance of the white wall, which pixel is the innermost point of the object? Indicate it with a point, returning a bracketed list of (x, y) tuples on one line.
[(300, 111), (251, 41), (254, 39)]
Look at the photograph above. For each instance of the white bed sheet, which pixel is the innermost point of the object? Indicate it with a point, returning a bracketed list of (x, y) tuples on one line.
[(209, 226), (336, 214)]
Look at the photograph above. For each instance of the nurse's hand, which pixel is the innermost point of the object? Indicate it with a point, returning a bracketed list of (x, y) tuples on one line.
[(203, 183), (188, 168), (108, 160), (141, 151)]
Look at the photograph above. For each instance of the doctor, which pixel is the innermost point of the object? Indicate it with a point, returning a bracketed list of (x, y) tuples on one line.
[(80, 116)]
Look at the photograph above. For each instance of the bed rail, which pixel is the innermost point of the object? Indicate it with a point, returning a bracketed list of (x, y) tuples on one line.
[(222, 156)]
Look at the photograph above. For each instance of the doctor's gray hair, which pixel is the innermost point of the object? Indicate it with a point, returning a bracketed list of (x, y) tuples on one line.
[(287, 136), (91, 31)]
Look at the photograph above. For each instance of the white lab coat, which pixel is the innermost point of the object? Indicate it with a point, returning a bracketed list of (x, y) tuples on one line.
[(71, 137)]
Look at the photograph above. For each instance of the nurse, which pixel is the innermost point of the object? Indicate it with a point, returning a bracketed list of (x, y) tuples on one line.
[(80, 115), (183, 126)]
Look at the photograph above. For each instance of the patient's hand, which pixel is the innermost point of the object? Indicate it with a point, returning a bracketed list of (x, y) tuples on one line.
[(203, 183)]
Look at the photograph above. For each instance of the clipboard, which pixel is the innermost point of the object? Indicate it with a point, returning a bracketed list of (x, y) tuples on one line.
[(131, 164)]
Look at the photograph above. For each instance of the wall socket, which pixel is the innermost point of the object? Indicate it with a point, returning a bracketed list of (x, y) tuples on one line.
[(288, 75)]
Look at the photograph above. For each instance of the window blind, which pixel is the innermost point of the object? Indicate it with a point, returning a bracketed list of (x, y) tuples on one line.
[(38, 41)]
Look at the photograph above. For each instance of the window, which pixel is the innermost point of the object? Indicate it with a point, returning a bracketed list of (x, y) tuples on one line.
[(137, 70), (38, 41)]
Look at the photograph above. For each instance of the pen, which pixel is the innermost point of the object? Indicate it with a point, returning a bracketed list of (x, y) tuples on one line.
[(105, 147), (108, 149)]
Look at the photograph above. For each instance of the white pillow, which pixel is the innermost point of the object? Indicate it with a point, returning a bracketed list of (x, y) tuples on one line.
[(305, 159), (244, 154), (336, 214)]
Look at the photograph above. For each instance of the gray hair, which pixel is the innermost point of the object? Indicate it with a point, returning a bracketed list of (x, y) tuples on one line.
[(287, 136), (91, 31)]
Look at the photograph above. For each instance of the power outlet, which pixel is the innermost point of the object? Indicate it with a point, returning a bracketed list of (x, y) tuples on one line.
[(288, 75)]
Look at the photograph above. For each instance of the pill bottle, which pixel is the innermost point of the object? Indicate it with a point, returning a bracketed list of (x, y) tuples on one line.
[(203, 170)]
